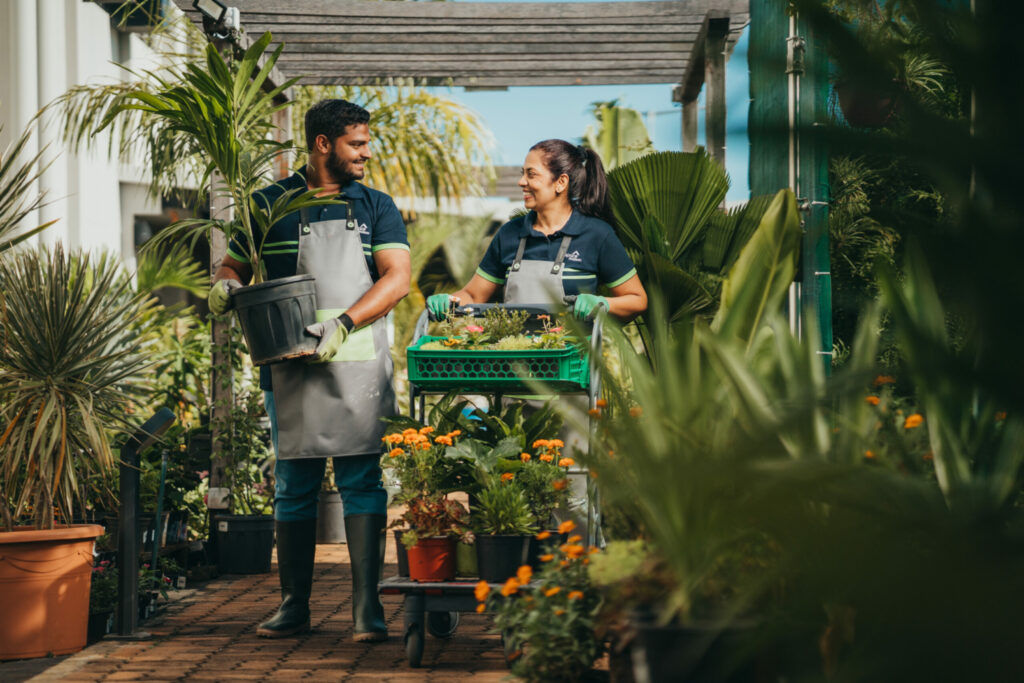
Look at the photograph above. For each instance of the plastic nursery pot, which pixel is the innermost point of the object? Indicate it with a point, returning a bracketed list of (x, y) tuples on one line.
[(465, 559), (402, 552), (245, 543), (330, 518), (274, 316), (44, 580), (432, 559), (499, 557)]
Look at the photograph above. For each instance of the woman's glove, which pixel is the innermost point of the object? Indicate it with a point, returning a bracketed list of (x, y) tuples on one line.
[(332, 334), (439, 305), (588, 305), (219, 298)]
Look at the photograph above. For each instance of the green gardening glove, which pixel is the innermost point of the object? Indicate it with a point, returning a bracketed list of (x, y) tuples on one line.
[(219, 298), (588, 305), (439, 305), (332, 334)]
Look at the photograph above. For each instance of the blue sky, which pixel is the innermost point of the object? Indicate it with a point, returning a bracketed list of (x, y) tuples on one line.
[(520, 117)]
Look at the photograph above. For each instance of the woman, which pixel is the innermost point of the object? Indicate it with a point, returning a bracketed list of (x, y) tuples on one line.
[(564, 246)]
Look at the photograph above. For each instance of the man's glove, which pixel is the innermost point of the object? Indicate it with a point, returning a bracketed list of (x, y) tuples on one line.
[(588, 305), (439, 305), (219, 298), (332, 334)]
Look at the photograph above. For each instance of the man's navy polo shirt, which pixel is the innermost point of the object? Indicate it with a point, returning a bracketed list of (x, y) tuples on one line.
[(377, 218), (595, 256)]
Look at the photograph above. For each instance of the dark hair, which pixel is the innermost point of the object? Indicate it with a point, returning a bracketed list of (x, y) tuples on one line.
[(331, 118), (588, 186)]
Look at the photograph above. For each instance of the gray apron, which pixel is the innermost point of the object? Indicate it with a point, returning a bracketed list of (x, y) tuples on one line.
[(333, 409), (536, 282)]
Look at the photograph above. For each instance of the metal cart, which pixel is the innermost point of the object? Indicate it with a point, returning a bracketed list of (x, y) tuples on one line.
[(435, 607)]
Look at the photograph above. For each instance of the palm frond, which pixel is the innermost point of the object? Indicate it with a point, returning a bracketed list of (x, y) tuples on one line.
[(17, 201)]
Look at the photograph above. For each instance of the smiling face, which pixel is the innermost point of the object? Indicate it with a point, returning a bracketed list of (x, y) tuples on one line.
[(349, 153), (540, 188)]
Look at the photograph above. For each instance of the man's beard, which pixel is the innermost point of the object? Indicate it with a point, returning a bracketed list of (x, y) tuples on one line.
[(341, 170)]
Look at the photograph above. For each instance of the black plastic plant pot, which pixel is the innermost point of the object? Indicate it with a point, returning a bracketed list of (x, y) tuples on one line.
[(274, 316), (499, 557), (245, 543)]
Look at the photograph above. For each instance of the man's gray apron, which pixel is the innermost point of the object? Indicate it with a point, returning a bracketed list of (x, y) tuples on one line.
[(334, 408)]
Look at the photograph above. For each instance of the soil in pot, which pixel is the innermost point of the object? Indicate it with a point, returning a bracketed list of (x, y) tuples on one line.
[(274, 316)]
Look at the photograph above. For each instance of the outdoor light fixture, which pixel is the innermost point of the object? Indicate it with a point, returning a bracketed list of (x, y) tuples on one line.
[(212, 9)]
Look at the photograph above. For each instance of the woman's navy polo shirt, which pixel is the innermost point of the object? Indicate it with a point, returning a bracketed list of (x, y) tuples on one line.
[(595, 256), (377, 218)]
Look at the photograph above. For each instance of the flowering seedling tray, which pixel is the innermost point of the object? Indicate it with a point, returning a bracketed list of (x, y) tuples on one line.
[(561, 370)]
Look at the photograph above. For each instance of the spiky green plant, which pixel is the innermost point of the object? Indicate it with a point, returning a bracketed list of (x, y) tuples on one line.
[(72, 364), (17, 176), (502, 509)]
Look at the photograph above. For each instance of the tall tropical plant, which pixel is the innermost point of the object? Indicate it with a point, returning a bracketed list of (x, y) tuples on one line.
[(619, 135), (17, 176), (72, 364)]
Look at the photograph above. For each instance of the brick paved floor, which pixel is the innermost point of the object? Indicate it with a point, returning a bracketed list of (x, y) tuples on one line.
[(209, 635)]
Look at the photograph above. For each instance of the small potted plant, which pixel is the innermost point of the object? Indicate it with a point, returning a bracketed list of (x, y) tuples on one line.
[(503, 525), (434, 525)]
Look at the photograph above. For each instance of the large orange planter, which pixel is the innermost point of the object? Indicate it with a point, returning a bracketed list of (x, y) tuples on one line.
[(44, 581), (432, 559)]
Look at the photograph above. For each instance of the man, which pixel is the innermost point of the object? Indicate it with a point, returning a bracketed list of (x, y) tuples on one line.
[(358, 253)]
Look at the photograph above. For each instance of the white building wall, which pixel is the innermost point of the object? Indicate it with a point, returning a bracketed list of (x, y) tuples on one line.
[(47, 46)]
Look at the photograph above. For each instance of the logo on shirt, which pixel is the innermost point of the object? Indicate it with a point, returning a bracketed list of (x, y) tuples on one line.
[(574, 256), (364, 229)]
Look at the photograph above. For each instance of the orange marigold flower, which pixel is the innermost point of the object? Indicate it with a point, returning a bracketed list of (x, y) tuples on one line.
[(426, 430), (636, 411), (541, 443), (566, 462), (392, 438), (525, 457), (410, 431), (511, 587), (884, 379), (912, 421), (481, 591), (546, 558), (594, 412), (1000, 416), (601, 403), (563, 564), (575, 538), (554, 590), (481, 608), (508, 476), (557, 443), (593, 549), (544, 535), (395, 452), (593, 474), (524, 573), (575, 595), (443, 440), (869, 454), (559, 484), (559, 612), (566, 526), (873, 400), (423, 445), (455, 432), (573, 550), (545, 457)]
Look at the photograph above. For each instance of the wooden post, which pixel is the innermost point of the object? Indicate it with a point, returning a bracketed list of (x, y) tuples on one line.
[(714, 79), (690, 124), (282, 132), (221, 380)]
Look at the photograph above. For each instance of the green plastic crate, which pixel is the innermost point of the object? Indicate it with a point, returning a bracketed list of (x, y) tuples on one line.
[(444, 369)]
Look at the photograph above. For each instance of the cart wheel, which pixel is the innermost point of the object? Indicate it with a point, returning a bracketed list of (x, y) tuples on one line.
[(506, 646), (442, 624), (414, 644)]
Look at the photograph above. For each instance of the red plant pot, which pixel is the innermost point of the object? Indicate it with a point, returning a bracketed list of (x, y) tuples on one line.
[(432, 559)]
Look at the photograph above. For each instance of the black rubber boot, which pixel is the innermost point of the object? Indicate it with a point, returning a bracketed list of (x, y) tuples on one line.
[(364, 535), (296, 549)]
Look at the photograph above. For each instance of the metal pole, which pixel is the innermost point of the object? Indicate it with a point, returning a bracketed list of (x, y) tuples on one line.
[(154, 565), (128, 542)]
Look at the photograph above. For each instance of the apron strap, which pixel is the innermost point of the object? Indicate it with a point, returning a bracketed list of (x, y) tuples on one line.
[(519, 254), (556, 268), (350, 223)]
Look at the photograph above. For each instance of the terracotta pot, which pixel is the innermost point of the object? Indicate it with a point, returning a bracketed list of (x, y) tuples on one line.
[(432, 559), (44, 578)]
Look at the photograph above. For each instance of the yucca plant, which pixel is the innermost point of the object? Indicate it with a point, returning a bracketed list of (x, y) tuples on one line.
[(72, 364), (502, 509), (220, 112)]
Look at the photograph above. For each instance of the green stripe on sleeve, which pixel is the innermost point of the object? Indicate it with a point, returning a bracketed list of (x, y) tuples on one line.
[(390, 245), (238, 257), (489, 277), (631, 273)]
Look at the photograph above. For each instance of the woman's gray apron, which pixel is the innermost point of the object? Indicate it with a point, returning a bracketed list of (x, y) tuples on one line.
[(334, 408), (536, 282)]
